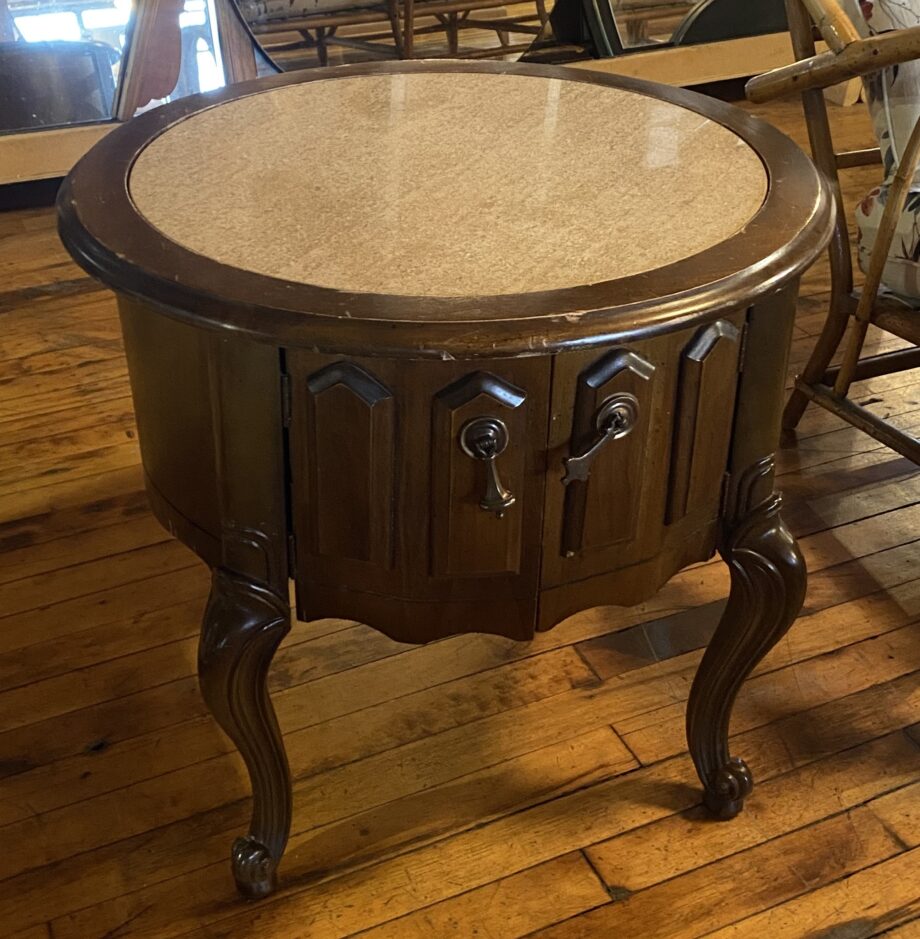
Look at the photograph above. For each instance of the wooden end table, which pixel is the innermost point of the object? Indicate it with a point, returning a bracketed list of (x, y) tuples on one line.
[(456, 347)]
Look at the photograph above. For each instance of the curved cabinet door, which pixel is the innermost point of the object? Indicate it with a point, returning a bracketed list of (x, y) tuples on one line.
[(605, 483), (638, 450), (608, 452), (417, 491)]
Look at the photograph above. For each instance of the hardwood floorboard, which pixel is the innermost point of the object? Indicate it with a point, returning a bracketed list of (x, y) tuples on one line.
[(62, 509), (469, 787), (117, 676), (511, 906), (709, 897), (875, 898), (31, 429), (362, 898), (60, 554)]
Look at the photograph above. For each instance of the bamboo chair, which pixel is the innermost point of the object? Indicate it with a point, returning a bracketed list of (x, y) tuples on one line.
[(849, 56)]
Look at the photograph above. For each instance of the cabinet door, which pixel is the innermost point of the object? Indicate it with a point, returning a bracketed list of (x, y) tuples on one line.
[(639, 438), (478, 546), (417, 491), (610, 422), (608, 454)]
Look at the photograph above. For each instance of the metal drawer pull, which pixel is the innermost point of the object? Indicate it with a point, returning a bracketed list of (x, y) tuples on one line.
[(616, 418), (485, 439)]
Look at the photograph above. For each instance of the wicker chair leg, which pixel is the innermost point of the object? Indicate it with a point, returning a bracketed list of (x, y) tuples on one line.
[(897, 196), (822, 148), (825, 348)]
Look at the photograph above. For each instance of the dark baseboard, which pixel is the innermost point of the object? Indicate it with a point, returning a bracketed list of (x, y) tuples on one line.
[(35, 194)]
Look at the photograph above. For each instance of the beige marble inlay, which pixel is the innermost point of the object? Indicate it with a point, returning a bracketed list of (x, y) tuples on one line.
[(448, 184)]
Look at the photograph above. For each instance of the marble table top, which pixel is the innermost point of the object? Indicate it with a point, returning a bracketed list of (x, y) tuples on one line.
[(447, 184)]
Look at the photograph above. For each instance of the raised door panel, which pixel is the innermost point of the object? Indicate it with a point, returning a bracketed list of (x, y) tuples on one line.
[(387, 503), (609, 446), (608, 452), (342, 445), (703, 424), (478, 447), (348, 435)]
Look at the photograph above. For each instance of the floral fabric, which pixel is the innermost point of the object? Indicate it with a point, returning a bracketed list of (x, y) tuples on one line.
[(893, 96)]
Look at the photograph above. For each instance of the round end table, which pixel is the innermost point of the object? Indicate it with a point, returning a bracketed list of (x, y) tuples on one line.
[(456, 347)]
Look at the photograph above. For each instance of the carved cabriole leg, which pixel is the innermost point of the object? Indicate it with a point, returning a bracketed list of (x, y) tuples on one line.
[(767, 570), (243, 624), (208, 407), (767, 592), (248, 613)]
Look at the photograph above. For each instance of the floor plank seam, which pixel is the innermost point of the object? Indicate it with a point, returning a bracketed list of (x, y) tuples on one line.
[(302, 779), (824, 886), (12, 299), (612, 893), (335, 874), (83, 596)]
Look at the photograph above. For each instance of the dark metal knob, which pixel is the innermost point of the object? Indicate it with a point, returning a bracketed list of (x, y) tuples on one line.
[(615, 418), (485, 439)]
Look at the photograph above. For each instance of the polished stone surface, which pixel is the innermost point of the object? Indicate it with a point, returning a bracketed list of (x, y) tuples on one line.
[(457, 184)]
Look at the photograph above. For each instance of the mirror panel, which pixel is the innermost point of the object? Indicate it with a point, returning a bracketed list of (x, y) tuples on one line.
[(73, 62), (59, 61)]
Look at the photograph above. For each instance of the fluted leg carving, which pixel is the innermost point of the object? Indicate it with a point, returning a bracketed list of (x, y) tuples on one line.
[(243, 624), (767, 592)]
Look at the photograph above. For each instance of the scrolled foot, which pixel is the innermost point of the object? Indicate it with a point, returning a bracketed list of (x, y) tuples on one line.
[(254, 868), (730, 786)]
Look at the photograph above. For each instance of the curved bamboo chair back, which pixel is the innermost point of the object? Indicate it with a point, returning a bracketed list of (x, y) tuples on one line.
[(848, 56)]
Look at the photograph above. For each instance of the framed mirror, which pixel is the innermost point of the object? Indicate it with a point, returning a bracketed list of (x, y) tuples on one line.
[(71, 69), (617, 27)]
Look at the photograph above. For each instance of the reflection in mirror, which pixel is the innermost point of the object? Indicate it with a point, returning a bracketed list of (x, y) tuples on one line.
[(70, 62), (612, 27), (307, 33), (609, 28), (649, 23), (59, 61), (67, 62), (173, 51)]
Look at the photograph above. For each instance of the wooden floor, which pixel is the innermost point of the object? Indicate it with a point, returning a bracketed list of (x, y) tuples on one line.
[(470, 788)]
